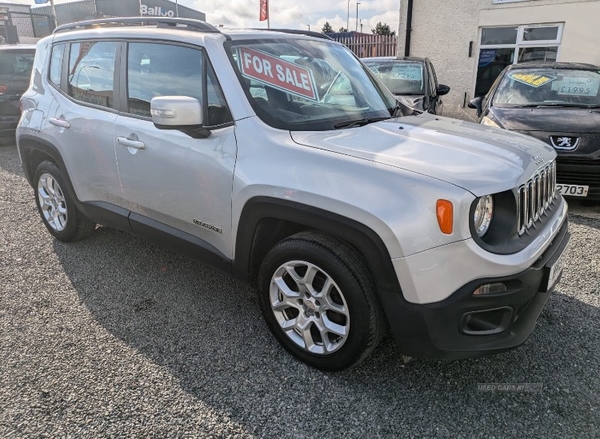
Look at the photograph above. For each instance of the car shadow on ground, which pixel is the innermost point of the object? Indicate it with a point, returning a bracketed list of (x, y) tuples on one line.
[(207, 331), (9, 159), (584, 220), (587, 213)]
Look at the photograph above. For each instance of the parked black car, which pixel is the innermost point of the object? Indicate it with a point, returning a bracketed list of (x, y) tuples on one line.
[(558, 103), (16, 62), (412, 80)]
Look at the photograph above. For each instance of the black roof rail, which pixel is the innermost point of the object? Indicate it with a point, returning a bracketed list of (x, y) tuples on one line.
[(164, 22), (309, 33)]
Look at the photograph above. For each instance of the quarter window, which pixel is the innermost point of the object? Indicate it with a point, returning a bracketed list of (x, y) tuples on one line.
[(217, 111), (91, 72), (56, 64)]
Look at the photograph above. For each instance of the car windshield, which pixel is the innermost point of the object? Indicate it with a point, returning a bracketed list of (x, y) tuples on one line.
[(549, 87), (400, 77), (301, 84)]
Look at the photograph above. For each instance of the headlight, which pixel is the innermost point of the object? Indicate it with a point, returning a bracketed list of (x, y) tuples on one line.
[(489, 122), (482, 217)]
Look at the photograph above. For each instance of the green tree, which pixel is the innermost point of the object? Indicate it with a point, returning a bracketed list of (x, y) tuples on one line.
[(343, 29), (383, 29), (327, 28)]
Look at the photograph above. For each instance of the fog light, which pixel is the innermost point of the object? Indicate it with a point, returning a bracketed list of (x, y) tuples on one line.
[(490, 289)]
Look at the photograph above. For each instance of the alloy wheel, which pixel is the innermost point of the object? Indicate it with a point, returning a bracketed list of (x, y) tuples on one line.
[(52, 202), (309, 307)]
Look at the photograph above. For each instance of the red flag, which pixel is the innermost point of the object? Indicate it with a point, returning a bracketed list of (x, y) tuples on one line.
[(264, 10)]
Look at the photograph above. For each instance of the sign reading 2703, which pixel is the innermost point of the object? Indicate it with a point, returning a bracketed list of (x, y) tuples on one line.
[(277, 73)]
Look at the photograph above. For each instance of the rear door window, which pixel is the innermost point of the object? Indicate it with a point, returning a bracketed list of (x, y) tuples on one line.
[(91, 72)]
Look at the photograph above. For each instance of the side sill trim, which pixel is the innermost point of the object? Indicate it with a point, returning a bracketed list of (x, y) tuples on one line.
[(181, 242)]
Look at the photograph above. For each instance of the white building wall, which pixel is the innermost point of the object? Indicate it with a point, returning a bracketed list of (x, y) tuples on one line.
[(442, 30)]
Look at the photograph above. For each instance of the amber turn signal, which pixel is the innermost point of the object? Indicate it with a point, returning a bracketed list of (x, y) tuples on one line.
[(445, 216)]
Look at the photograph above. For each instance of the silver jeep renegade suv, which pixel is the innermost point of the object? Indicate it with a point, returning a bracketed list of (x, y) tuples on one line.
[(278, 157)]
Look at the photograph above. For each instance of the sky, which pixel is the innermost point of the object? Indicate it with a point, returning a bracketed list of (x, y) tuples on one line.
[(293, 14), (300, 14)]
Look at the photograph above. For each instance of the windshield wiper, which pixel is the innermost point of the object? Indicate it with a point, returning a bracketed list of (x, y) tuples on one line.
[(519, 105), (358, 122), (555, 104), (569, 105)]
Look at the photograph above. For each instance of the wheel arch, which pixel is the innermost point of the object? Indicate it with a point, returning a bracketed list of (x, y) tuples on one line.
[(34, 151), (264, 221)]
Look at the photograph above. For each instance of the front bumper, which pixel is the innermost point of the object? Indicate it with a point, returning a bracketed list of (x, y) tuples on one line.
[(444, 330)]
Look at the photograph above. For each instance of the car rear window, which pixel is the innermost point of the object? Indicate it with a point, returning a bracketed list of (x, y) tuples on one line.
[(401, 78), (16, 65)]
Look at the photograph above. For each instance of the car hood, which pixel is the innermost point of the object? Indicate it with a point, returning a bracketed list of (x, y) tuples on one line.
[(549, 119), (480, 159)]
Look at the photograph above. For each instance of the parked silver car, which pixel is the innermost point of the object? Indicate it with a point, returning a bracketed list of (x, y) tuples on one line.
[(279, 158)]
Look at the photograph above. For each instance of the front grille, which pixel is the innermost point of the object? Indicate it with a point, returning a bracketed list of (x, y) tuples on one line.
[(535, 196), (578, 170), (572, 160), (581, 177)]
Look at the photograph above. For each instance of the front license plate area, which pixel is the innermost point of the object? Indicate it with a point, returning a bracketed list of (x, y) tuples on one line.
[(553, 271), (572, 190)]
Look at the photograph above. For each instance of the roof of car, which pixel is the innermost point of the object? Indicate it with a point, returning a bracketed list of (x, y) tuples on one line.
[(393, 58), (181, 24), (242, 33), (553, 65)]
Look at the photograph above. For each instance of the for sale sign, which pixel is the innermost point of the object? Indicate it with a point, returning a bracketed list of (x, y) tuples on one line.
[(277, 73)]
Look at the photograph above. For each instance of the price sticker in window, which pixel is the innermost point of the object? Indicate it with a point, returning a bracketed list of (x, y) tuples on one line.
[(412, 72), (577, 86)]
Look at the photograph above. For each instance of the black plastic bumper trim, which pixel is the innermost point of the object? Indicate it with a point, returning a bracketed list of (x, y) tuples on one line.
[(434, 330)]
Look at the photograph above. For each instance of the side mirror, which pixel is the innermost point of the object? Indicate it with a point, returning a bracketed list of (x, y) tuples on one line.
[(442, 90), (182, 113), (475, 103)]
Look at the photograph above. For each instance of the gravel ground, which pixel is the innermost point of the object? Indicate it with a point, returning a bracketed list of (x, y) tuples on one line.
[(113, 337)]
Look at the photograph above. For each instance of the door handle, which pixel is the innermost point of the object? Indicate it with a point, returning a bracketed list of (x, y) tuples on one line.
[(137, 144), (61, 123)]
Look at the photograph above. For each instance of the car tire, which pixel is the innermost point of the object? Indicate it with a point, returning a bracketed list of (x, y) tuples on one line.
[(57, 206), (319, 301)]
